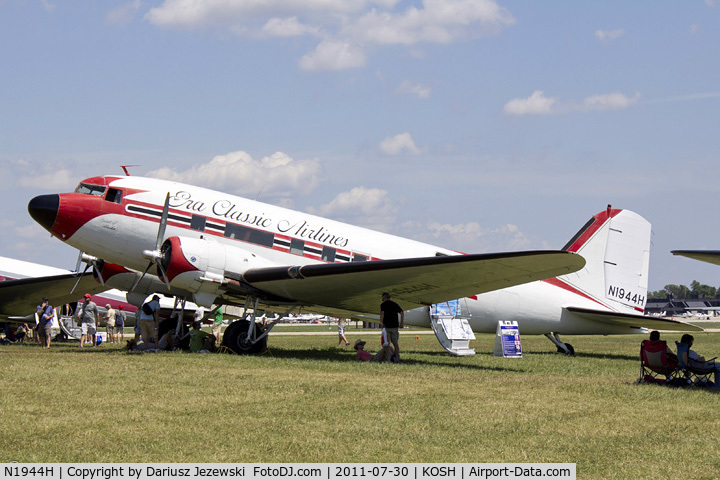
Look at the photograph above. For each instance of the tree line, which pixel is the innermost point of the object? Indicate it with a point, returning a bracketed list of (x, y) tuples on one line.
[(695, 290)]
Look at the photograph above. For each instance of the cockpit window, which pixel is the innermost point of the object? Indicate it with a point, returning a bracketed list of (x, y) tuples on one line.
[(88, 189), (114, 195)]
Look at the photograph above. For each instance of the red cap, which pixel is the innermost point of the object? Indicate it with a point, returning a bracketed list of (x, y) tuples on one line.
[(87, 295)]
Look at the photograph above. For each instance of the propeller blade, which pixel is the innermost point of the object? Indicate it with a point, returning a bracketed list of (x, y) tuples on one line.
[(141, 276), (79, 277), (163, 222)]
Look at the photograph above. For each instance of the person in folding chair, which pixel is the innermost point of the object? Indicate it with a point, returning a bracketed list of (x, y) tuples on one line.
[(656, 360), (696, 364)]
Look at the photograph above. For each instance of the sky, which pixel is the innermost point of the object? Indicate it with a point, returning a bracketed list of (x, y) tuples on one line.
[(477, 125)]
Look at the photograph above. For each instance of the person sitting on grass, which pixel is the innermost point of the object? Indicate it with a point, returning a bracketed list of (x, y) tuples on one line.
[(166, 343), (385, 353)]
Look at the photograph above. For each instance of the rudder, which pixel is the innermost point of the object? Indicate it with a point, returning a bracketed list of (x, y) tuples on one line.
[(616, 246)]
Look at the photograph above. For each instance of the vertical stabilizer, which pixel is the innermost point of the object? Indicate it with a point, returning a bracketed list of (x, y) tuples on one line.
[(616, 246)]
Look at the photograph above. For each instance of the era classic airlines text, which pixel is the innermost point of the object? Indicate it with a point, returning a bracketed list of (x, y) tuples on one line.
[(290, 471)]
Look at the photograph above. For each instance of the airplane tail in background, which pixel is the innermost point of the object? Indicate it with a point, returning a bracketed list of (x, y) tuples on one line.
[(616, 246)]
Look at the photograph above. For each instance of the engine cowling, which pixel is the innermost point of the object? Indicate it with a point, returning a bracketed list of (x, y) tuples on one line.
[(200, 265), (117, 276)]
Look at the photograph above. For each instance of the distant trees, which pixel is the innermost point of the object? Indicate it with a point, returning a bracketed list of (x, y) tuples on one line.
[(696, 290)]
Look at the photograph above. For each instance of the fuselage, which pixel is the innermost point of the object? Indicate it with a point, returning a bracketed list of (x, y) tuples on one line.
[(117, 218)]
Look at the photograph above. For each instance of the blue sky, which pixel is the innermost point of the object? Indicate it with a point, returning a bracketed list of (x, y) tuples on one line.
[(481, 126)]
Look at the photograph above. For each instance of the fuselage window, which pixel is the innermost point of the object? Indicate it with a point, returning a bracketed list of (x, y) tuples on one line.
[(328, 254), (114, 195), (297, 246), (250, 235), (359, 258), (90, 189), (197, 222)]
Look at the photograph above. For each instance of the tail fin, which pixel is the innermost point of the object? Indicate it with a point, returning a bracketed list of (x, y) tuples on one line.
[(616, 246)]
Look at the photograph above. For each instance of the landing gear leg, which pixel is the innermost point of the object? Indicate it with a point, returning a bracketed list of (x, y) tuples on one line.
[(562, 347)]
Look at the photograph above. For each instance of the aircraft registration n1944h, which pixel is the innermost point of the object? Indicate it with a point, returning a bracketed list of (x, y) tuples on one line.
[(146, 235)]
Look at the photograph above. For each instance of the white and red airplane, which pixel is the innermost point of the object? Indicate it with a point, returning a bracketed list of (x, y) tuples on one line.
[(212, 247)]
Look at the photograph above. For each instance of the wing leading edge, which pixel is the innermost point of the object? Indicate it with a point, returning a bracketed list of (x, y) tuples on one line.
[(413, 282), (634, 321)]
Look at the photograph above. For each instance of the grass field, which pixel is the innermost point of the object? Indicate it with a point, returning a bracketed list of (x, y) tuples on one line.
[(307, 401)]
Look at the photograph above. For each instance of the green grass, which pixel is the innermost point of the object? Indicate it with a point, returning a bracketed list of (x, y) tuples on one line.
[(307, 401)]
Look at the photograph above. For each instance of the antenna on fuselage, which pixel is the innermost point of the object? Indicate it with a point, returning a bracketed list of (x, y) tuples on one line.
[(258, 194), (125, 167)]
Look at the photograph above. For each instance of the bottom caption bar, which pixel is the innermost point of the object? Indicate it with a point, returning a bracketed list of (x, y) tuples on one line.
[(288, 471)]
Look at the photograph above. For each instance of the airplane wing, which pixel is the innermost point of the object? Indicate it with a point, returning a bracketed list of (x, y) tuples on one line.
[(636, 321), (21, 297), (709, 256), (413, 282)]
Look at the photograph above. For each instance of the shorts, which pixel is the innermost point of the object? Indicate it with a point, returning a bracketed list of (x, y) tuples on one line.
[(393, 335), (341, 330), (109, 329), (88, 329), (119, 328), (147, 329), (45, 331)]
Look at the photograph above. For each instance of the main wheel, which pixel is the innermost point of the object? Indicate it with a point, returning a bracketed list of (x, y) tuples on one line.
[(235, 338), (571, 352)]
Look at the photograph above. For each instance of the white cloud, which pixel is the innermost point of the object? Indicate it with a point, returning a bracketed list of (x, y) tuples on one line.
[(331, 55), (469, 237), (535, 104), (237, 172), (439, 21), (123, 14), (398, 143), (607, 36), (52, 180), (50, 7), (367, 207), (287, 27), (347, 27), (610, 101), (539, 104), (411, 88)]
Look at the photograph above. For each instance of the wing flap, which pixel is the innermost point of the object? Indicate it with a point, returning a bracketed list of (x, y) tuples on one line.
[(635, 321), (413, 282)]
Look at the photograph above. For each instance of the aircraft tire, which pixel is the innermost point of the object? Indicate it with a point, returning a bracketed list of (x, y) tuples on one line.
[(234, 339)]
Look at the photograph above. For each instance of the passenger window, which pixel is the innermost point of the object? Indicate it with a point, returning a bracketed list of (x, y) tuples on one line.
[(114, 195), (197, 222), (359, 258), (297, 246), (328, 254)]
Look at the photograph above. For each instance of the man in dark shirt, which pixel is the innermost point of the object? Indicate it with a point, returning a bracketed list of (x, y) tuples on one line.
[(392, 317)]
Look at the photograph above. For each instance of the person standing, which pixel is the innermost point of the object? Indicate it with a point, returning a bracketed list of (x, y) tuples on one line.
[(148, 319), (120, 324), (392, 318), (110, 323), (341, 332), (217, 324), (88, 314), (45, 315)]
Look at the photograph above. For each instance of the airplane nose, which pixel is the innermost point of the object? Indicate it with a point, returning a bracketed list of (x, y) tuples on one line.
[(44, 208)]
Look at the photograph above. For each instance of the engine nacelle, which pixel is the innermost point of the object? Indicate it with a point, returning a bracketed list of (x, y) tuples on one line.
[(117, 276), (202, 266)]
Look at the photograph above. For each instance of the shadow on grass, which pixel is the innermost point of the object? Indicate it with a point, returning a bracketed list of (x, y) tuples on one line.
[(609, 356), (334, 355)]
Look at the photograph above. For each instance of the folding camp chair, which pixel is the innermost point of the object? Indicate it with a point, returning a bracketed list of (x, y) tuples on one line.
[(656, 361), (699, 377)]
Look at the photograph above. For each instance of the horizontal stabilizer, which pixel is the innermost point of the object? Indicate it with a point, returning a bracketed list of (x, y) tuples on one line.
[(413, 282), (633, 321), (709, 256)]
